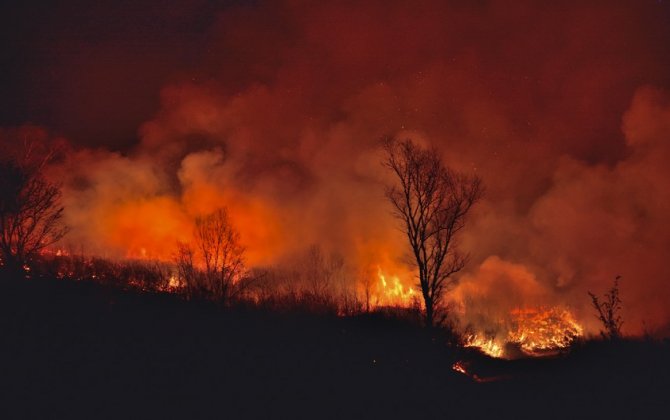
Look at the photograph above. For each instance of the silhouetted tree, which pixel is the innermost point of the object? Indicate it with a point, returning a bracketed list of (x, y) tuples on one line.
[(214, 264), (30, 211), (186, 270), (219, 245), (432, 201), (321, 270), (368, 279), (609, 311)]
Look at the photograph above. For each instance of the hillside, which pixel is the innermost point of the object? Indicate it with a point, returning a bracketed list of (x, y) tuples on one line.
[(81, 350)]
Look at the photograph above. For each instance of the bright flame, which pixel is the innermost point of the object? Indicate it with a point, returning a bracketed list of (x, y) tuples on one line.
[(489, 345), (534, 330), (392, 292), (540, 330), (173, 282)]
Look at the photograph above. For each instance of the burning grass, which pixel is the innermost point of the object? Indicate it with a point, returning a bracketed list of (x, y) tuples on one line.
[(526, 332), (532, 331)]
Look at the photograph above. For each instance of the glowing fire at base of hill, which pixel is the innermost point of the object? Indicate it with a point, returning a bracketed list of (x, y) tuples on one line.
[(490, 345), (174, 283), (534, 331), (525, 331), (463, 367)]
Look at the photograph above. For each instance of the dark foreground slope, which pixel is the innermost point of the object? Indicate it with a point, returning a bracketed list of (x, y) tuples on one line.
[(76, 350)]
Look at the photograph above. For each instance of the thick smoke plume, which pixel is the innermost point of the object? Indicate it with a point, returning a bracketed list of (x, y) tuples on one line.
[(559, 108)]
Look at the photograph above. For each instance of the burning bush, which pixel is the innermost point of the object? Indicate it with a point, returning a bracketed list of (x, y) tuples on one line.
[(534, 331)]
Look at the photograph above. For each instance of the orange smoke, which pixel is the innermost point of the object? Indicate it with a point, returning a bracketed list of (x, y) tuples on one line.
[(147, 229), (152, 227), (279, 120)]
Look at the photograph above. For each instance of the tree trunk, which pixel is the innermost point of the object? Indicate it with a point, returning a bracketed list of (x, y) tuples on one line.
[(429, 313)]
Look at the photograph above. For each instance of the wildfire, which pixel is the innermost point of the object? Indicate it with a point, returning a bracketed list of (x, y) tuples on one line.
[(463, 367), (525, 331), (173, 282), (391, 291), (545, 330), (488, 345), (534, 330), (459, 367)]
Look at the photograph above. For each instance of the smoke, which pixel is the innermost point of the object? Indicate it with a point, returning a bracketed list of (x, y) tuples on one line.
[(280, 121), (594, 222)]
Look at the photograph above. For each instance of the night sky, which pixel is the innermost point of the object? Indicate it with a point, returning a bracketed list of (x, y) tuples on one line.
[(93, 71)]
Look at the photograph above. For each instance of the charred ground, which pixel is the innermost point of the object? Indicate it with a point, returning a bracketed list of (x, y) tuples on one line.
[(79, 349)]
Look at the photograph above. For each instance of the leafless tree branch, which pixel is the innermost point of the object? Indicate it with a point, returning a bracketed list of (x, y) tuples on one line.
[(432, 201), (30, 211)]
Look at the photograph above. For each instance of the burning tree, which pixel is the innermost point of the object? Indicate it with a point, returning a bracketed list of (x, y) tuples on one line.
[(432, 201), (30, 210), (215, 264)]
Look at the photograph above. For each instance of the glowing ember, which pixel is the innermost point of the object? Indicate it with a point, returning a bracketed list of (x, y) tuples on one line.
[(533, 330), (173, 282), (459, 367), (463, 367)]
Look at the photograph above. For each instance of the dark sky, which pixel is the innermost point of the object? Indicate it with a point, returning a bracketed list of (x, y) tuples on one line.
[(92, 71)]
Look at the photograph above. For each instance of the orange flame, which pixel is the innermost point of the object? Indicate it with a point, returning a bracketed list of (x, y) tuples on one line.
[(392, 292), (534, 330)]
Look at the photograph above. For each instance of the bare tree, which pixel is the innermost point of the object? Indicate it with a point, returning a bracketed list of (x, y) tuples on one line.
[(367, 279), (608, 311), (322, 270), (432, 201), (30, 211), (215, 263), (219, 245), (186, 270)]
